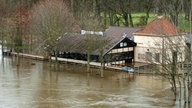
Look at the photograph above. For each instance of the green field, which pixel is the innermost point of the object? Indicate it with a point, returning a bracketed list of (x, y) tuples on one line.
[(183, 24)]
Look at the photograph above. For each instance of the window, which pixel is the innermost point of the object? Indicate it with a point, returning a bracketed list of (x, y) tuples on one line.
[(125, 44), (121, 44), (175, 56), (148, 56), (130, 48), (157, 57), (141, 56)]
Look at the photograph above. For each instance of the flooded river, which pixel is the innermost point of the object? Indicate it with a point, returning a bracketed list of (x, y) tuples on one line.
[(34, 84)]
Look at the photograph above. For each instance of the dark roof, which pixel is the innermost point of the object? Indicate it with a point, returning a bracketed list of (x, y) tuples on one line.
[(71, 42), (160, 26), (77, 43), (118, 32)]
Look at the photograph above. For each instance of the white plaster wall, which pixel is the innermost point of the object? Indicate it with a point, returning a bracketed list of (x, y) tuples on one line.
[(154, 44)]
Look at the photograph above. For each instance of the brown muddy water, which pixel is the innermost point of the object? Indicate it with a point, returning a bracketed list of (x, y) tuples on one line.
[(34, 84)]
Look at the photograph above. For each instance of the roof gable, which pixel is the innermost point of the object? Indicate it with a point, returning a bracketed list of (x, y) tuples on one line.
[(160, 26)]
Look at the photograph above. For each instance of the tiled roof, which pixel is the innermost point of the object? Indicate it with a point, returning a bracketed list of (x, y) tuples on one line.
[(160, 26), (77, 43), (120, 31), (72, 42)]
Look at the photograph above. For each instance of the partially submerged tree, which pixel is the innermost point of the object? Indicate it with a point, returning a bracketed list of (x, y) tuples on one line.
[(21, 20), (6, 31), (102, 44), (50, 20), (165, 45), (93, 41), (7, 26), (95, 45), (171, 54), (174, 69)]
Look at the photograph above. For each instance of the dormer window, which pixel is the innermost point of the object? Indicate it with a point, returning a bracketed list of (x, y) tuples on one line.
[(121, 44), (125, 44)]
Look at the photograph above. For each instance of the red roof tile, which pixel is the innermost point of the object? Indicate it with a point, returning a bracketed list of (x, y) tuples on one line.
[(160, 26)]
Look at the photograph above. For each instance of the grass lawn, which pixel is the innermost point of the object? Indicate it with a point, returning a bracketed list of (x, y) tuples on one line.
[(183, 24)]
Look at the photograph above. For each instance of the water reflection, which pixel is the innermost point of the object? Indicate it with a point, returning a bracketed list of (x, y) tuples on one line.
[(36, 85)]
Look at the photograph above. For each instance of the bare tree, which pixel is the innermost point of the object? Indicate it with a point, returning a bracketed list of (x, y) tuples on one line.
[(95, 45), (102, 44), (50, 20), (7, 25), (6, 31), (21, 20), (172, 8), (173, 52)]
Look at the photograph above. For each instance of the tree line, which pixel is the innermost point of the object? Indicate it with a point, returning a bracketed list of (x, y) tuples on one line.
[(113, 12)]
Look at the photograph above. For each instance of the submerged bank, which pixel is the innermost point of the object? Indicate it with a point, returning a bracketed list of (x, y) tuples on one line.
[(138, 67)]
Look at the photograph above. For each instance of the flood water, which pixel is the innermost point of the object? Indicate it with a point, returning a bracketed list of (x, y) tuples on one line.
[(34, 84)]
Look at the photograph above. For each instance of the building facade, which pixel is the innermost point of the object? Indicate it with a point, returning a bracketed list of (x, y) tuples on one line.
[(112, 49), (159, 41)]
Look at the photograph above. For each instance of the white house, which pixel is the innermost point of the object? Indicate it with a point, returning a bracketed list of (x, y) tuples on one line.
[(158, 41)]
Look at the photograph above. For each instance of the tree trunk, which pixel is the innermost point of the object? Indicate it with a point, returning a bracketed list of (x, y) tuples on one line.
[(174, 88), (125, 16), (72, 6), (2, 45), (180, 93), (163, 51), (111, 18), (147, 16), (98, 10), (186, 92), (101, 59), (105, 15), (31, 46), (102, 69), (174, 18), (174, 73), (56, 60), (184, 89), (17, 59), (131, 20), (188, 89), (50, 60), (88, 62)]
